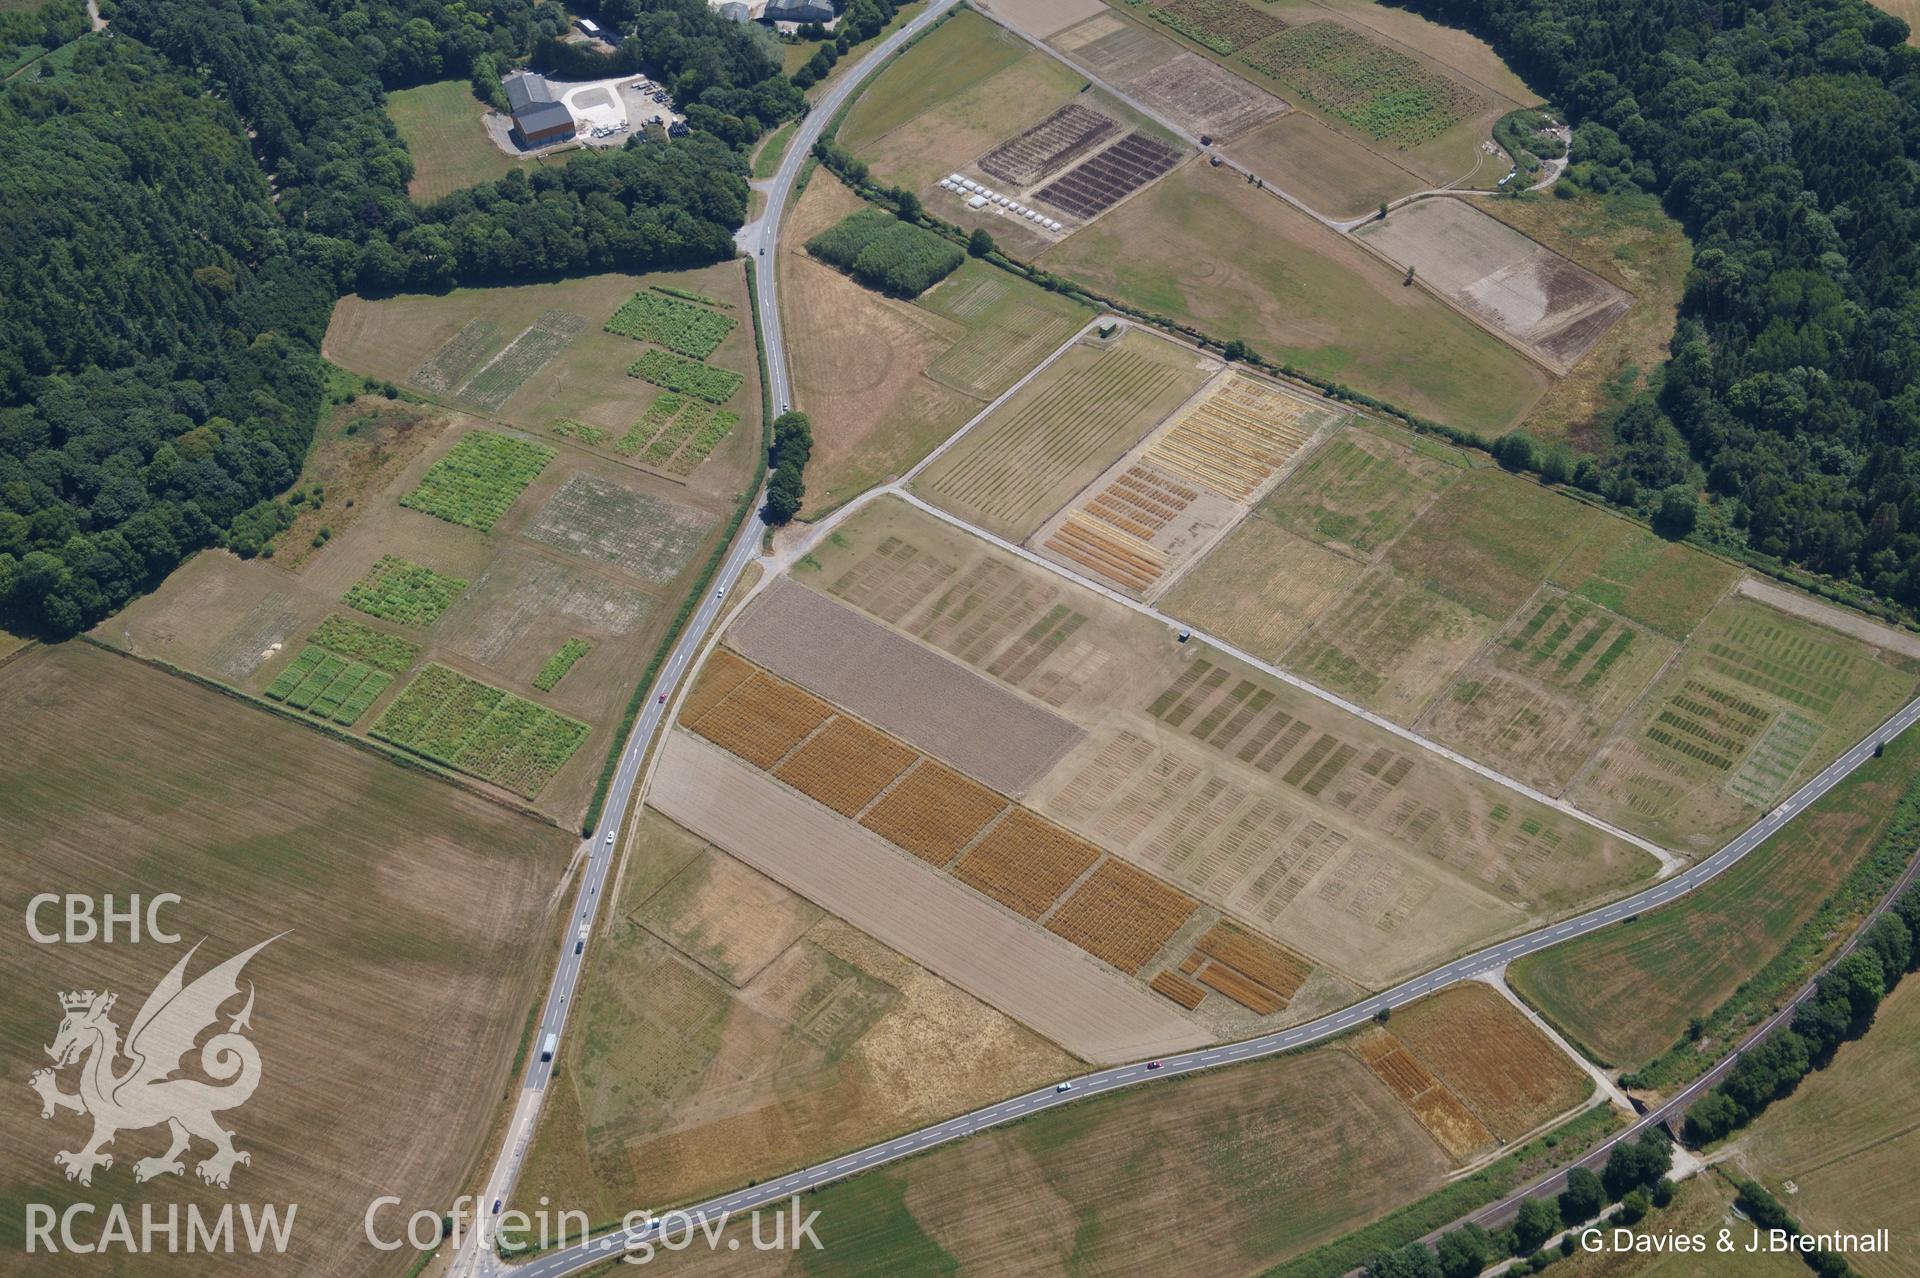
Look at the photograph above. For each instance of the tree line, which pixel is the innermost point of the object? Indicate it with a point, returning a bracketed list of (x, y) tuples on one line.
[(1634, 1176), (1841, 1007), (1784, 137)]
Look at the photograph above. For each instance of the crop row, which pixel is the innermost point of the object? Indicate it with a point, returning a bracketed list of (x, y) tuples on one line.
[(686, 376), (670, 322), (397, 590), (479, 480), (560, 662), (328, 685)]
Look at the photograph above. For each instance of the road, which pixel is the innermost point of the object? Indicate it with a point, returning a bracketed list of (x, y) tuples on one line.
[(1674, 1109), (595, 1251), (760, 240)]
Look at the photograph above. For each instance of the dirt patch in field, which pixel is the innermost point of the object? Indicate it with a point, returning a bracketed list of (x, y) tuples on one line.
[(1540, 300), (936, 704), (1194, 93), (415, 926), (1031, 975)]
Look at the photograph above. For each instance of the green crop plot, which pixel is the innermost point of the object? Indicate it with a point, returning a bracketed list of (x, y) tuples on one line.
[(361, 697), (1380, 91), (1220, 25), (328, 685), (567, 428), (362, 642), (479, 480), (686, 376), (651, 423), (481, 730), (295, 674), (560, 662), (670, 322), (713, 428), (404, 593)]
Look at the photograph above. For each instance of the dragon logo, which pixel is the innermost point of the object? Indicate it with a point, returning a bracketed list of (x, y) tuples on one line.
[(146, 1093)]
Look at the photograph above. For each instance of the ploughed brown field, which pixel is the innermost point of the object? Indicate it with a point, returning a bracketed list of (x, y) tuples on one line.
[(409, 920)]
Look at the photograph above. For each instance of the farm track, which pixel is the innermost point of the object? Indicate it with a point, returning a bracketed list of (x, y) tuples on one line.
[(477, 1257)]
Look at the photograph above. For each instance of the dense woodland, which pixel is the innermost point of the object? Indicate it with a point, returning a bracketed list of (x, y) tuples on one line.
[(1785, 136), (165, 280), (158, 373), (182, 204)]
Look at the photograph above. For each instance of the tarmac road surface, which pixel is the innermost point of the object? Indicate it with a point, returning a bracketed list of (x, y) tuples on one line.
[(759, 240), (595, 1251)]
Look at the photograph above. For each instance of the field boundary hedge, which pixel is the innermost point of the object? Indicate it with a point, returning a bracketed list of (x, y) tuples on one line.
[(370, 746)]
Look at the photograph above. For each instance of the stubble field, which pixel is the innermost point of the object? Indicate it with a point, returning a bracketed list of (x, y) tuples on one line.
[(1207, 249), (388, 1014), (1259, 1163), (732, 1029)]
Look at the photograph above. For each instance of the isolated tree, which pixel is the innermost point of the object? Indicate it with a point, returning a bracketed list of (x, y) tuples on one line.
[(1539, 1220), (1583, 1197), (1463, 1252), (1411, 1261), (1383, 210), (1516, 451), (1633, 1208), (980, 244), (1636, 1163), (1409, 280)]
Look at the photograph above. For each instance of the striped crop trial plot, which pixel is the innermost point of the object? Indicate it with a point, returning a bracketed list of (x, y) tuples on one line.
[(481, 730), (479, 480)]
